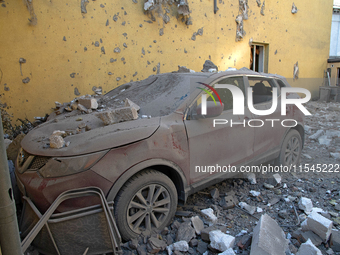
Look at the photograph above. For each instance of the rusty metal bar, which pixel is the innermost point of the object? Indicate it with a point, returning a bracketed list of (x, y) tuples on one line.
[(9, 232)]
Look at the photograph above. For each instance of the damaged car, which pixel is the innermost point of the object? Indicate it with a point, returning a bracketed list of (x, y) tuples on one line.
[(177, 134)]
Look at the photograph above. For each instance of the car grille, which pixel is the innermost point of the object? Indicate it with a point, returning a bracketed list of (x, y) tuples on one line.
[(37, 162)]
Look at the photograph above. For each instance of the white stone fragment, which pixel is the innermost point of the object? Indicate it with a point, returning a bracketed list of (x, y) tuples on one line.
[(221, 241), (259, 210), (148, 4), (128, 103), (277, 178), (308, 248), (316, 135), (242, 232), (319, 224), (209, 216), (230, 251), (197, 224), (249, 208), (251, 178), (323, 140), (178, 246), (255, 193), (335, 154), (305, 204)]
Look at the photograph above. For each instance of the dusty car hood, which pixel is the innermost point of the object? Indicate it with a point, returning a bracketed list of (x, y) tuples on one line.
[(99, 138)]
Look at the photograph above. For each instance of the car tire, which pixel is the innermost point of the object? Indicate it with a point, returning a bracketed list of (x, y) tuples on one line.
[(145, 204), (291, 149)]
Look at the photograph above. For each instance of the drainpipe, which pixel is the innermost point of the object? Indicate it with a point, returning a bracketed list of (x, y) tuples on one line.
[(215, 6), (9, 232)]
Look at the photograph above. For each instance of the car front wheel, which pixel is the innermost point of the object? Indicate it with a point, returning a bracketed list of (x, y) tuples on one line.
[(146, 203), (291, 149)]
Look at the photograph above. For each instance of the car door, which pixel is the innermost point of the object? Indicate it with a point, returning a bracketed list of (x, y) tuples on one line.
[(223, 145), (268, 130)]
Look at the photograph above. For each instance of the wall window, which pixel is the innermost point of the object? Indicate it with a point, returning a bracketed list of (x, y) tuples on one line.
[(259, 58)]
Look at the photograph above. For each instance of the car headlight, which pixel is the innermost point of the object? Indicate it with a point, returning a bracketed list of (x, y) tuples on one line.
[(62, 166)]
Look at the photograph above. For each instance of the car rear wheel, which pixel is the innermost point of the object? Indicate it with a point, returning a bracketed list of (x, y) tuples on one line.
[(291, 149), (147, 202)]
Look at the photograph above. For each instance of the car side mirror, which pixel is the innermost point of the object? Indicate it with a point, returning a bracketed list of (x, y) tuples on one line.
[(212, 111)]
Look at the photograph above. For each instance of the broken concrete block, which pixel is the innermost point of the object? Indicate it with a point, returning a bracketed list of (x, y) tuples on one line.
[(221, 241), (215, 193), (319, 225), (268, 186), (248, 208), (118, 115), (230, 251), (198, 224), (81, 108), (128, 103), (305, 204), (178, 246), (277, 178), (255, 193), (251, 178), (268, 238), (323, 140), (209, 216), (308, 248), (227, 202), (89, 103), (185, 232), (316, 135), (316, 240), (335, 240), (205, 232), (56, 141), (202, 247), (155, 245), (245, 242)]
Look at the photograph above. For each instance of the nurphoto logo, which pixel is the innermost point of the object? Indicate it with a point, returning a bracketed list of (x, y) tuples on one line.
[(238, 103)]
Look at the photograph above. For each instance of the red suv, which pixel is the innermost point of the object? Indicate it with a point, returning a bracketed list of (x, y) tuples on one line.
[(186, 138)]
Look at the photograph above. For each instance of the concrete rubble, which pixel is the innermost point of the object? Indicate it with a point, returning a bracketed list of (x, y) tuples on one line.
[(249, 208), (197, 224), (230, 251), (209, 216), (305, 204), (319, 225), (118, 115), (308, 248), (221, 241), (268, 238), (274, 204)]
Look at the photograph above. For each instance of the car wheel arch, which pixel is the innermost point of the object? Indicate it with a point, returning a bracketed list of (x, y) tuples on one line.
[(170, 169)]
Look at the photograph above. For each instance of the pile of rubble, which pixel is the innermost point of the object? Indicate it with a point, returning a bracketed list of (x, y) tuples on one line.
[(86, 105), (282, 213)]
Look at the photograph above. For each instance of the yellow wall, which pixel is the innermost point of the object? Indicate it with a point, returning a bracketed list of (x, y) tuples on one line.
[(302, 37)]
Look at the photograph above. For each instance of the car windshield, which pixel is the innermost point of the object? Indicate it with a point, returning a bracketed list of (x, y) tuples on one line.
[(158, 95)]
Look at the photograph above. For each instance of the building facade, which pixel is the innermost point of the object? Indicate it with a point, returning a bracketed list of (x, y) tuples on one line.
[(57, 50)]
